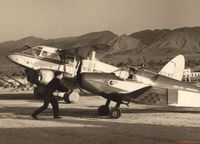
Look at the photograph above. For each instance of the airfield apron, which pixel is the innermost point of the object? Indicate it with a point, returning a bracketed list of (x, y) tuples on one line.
[(48, 98)]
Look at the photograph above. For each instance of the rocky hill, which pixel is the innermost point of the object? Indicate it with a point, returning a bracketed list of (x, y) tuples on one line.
[(156, 46), (150, 47)]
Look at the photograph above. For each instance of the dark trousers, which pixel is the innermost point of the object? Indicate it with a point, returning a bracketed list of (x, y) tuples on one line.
[(48, 98)]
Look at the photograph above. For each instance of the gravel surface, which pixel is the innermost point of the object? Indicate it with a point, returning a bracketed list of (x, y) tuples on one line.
[(139, 124)]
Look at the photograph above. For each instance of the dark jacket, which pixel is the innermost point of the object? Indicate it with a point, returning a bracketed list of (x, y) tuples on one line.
[(55, 84)]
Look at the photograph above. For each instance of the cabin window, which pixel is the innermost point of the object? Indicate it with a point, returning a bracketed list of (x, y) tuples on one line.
[(37, 51), (69, 60), (50, 55)]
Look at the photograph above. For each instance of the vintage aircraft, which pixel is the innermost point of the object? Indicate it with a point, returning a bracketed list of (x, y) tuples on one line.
[(40, 62), (129, 84)]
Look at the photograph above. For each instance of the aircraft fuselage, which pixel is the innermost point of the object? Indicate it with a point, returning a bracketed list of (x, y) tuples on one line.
[(147, 87)]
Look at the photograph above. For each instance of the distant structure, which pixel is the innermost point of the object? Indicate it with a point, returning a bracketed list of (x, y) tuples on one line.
[(191, 76)]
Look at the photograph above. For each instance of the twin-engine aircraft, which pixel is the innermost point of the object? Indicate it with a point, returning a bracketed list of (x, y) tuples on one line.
[(40, 63), (129, 84)]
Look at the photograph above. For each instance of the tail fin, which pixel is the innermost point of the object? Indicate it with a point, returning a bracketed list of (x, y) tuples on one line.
[(174, 68)]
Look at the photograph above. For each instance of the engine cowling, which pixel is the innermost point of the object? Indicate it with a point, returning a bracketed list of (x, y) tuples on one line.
[(39, 77), (32, 76)]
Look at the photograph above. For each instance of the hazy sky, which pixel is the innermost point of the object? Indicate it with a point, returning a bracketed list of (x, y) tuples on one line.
[(63, 18)]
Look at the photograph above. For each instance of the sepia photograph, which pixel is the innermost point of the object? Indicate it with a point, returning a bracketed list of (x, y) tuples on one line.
[(100, 71)]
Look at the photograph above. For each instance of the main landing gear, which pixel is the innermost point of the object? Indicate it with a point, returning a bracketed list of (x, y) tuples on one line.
[(114, 112)]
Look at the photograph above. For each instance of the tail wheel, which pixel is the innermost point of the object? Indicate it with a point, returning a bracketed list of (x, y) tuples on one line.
[(115, 113), (103, 110)]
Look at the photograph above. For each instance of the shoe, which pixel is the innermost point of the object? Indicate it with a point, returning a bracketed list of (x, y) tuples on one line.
[(57, 117), (34, 117)]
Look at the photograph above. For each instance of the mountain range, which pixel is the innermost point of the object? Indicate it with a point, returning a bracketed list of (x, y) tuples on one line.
[(148, 46)]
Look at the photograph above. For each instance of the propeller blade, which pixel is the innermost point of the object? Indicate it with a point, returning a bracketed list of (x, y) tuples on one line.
[(78, 76), (79, 68), (27, 46)]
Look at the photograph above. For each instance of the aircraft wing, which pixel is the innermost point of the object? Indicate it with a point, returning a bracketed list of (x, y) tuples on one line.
[(84, 51), (147, 95)]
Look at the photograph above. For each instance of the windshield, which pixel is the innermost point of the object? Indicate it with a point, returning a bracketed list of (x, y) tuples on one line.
[(126, 73), (35, 51)]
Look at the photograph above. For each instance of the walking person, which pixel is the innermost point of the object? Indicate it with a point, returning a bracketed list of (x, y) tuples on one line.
[(52, 86)]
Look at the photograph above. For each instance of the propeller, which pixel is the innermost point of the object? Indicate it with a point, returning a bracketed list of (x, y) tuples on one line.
[(70, 94), (28, 46), (78, 75)]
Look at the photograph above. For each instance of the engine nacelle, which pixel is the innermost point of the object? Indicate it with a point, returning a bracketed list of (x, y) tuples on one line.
[(32, 76), (43, 76)]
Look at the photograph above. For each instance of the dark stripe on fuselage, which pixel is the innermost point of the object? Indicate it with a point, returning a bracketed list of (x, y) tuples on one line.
[(166, 82), (41, 58), (175, 84)]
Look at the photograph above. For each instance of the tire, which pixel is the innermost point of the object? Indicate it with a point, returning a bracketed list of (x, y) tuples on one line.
[(115, 113), (103, 110)]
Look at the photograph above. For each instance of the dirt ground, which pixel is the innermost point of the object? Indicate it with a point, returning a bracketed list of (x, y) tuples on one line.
[(139, 124)]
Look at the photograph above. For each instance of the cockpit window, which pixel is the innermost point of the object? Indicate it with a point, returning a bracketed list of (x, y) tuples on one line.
[(132, 72), (35, 51), (126, 73), (122, 73)]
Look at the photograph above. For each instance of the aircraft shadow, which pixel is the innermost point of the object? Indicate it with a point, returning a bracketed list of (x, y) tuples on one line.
[(162, 110)]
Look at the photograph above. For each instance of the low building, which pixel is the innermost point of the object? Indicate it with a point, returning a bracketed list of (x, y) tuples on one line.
[(191, 76)]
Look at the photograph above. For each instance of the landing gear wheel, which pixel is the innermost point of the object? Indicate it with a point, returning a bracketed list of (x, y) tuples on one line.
[(103, 110), (115, 113)]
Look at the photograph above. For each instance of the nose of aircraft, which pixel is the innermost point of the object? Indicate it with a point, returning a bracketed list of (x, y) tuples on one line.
[(15, 58), (92, 81), (12, 57), (84, 80)]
